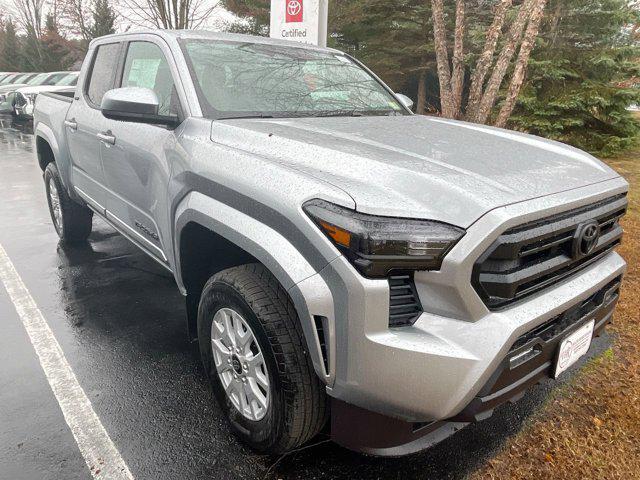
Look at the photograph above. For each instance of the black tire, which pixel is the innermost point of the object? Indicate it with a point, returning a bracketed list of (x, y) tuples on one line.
[(298, 407), (77, 220)]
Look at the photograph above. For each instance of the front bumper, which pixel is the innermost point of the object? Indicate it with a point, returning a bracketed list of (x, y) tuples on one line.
[(432, 370), (530, 360), (25, 110)]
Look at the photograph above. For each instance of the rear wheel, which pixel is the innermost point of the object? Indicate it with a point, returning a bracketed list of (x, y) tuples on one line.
[(252, 348), (73, 222)]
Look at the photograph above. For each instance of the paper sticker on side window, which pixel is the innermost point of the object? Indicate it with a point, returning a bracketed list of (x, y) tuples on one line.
[(143, 72)]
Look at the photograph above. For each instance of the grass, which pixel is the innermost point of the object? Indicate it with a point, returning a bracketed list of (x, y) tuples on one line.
[(591, 429)]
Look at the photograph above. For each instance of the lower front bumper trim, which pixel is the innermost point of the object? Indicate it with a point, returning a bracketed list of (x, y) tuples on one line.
[(376, 434)]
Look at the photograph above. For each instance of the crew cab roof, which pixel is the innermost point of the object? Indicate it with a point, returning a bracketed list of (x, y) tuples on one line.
[(204, 34)]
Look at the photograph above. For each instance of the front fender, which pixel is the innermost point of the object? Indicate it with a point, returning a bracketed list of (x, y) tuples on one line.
[(274, 251)]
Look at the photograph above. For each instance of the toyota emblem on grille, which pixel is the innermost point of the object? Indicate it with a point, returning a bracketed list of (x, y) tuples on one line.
[(585, 239)]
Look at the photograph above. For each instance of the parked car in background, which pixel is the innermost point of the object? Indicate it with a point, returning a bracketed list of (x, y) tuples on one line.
[(4, 75), (21, 80), (10, 78), (7, 94), (17, 79), (24, 98)]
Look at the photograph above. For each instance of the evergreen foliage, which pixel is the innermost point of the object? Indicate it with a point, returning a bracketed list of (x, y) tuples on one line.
[(10, 48), (104, 19), (579, 84), (253, 16), (55, 50)]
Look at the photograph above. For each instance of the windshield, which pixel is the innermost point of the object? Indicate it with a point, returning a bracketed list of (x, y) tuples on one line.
[(70, 79), (38, 79), (17, 79), (236, 79), (6, 79), (25, 79), (54, 78)]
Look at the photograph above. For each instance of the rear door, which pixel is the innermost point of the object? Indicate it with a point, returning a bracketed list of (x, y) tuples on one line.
[(85, 121), (137, 159)]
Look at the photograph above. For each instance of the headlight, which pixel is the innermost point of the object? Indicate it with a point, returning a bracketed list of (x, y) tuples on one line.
[(378, 245)]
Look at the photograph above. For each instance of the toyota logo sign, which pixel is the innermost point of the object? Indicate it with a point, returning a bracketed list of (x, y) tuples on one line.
[(294, 11), (585, 239)]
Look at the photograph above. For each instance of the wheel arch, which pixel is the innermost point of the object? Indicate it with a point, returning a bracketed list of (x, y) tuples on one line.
[(45, 151), (211, 236)]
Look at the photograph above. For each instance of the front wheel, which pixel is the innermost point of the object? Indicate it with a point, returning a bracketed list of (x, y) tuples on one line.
[(73, 222), (253, 350)]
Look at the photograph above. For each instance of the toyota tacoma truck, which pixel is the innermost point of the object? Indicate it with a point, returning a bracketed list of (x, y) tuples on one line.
[(346, 264)]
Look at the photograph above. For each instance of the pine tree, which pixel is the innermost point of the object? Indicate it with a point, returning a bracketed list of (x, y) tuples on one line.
[(104, 19), (253, 16), (578, 88), (55, 51), (389, 37), (9, 56)]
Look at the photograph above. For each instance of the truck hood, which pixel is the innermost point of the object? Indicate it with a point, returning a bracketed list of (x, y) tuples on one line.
[(416, 166)]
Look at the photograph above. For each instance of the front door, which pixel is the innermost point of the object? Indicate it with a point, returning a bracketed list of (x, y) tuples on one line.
[(85, 121), (136, 156)]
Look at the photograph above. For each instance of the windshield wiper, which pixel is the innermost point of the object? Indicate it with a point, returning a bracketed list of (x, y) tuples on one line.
[(253, 115), (386, 113), (338, 113)]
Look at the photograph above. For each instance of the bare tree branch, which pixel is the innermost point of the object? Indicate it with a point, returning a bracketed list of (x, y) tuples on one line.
[(30, 15), (76, 15), (171, 14)]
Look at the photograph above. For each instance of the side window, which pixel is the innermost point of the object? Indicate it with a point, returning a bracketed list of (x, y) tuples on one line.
[(102, 74), (146, 66)]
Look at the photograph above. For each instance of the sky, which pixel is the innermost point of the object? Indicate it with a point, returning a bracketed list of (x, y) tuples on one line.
[(218, 17)]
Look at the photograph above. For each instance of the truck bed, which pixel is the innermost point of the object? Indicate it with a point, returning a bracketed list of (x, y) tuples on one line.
[(49, 114)]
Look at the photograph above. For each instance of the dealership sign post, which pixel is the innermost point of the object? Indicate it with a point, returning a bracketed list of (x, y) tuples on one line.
[(302, 21)]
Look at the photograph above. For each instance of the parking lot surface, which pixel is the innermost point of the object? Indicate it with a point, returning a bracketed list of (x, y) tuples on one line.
[(119, 319)]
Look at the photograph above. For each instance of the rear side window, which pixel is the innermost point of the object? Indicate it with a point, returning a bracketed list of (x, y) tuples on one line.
[(103, 72)]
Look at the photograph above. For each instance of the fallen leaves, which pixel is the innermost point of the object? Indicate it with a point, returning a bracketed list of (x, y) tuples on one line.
[(592, 429)]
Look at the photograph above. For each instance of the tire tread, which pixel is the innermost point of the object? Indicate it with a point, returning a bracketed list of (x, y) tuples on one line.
[(305, 398)]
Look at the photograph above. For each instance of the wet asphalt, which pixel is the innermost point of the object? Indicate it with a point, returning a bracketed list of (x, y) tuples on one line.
[(119, 319)]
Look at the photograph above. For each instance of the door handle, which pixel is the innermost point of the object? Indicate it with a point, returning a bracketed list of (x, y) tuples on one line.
[(72, 124), (106, 138)]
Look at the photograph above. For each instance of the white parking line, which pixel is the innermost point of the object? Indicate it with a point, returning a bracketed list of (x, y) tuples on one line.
[(99, 452)]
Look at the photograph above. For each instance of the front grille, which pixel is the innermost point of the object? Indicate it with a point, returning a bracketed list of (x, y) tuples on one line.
[(404, 304), (528, 258)]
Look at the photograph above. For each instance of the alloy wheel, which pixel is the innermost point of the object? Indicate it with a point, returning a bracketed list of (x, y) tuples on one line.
[(54, 200), (240, 364)]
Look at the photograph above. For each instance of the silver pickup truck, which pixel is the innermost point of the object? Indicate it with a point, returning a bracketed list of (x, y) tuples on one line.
[(342, 259)]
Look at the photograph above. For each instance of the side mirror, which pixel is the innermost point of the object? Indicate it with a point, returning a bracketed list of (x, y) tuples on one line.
[(134, 104), (406, 101)]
